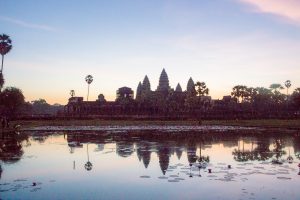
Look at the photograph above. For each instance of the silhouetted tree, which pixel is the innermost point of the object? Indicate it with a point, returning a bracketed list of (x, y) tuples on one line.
[(276, 87), (296, 97), (250, 94), (287, 85), (11, 98), (89, 80), (199, 103), (40, 106), (2, 81), (201, 89), (5, 47), (72, 93), (239, 92)]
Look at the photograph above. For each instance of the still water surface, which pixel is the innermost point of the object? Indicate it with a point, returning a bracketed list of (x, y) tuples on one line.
[(102, 165)]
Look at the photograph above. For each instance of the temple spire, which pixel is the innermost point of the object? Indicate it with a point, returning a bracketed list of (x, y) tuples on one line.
[(178, 88), (139, 91), (163, 81), (146, 84), (190, 88)]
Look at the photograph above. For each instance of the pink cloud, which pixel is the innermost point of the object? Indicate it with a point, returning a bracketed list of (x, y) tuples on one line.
[(288, 9)]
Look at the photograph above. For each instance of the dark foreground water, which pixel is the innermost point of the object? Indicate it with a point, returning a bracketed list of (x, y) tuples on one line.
[(145, 165)]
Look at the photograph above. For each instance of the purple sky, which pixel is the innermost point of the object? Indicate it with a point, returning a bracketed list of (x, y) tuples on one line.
[(221, 42)]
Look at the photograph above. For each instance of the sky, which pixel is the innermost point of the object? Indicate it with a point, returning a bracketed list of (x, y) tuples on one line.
[(220, 42)]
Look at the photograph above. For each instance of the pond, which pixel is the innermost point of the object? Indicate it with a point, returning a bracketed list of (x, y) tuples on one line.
[(149, 165)]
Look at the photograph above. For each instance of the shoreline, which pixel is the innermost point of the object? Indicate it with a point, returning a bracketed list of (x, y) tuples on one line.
[(133, 124)]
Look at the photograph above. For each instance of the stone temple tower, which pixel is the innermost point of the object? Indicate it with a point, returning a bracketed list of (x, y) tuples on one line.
[(178, 88), (146, 87), (190, 88), (163, 82), (139, 91)]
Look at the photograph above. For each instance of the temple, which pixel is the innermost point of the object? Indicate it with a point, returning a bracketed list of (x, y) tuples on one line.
[(164, 101)]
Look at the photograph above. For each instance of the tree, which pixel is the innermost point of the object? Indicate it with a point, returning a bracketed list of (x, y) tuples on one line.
[(250, 94), (40, 106), (201, 89), (276, 87), (72, 93), (2, 81), (5, 47), (296, 97), (12, 98), (239, 92), (262, 98), (89, 80), (277, 97), (287, 85), (201, 102)]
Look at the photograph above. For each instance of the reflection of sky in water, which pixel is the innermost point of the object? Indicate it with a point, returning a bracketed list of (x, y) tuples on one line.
[(56, 165)]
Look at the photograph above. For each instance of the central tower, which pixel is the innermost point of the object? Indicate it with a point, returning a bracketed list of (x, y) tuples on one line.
[(163, 82)]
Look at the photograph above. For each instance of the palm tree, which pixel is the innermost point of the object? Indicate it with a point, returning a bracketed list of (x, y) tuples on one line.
[(1, 81), (5, 47), (89, 80), (287, 85), (72, 93)]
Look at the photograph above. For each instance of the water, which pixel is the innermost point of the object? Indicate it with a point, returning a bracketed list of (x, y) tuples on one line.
[(150, 165)]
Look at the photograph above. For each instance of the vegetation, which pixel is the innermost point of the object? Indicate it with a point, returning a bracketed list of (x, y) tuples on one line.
[(244, 103), (11, 98), (5, 47), (89, 80), (296, 98)]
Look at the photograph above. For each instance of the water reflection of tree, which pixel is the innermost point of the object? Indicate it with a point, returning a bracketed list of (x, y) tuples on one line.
[(296, 144), (242, 155), (191, 153), (202, 158), (11, 149), (88, 165), (278, 151), (262, 151)]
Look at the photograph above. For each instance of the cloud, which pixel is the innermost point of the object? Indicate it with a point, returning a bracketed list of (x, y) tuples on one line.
[(28, 25), (287, 9)]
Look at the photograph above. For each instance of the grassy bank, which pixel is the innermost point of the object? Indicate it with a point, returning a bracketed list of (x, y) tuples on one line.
[(270, 123)]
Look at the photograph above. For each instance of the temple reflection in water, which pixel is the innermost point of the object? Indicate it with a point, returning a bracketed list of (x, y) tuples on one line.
[(250, 148), (115, 162)]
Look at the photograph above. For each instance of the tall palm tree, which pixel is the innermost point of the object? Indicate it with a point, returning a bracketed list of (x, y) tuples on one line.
[(89, 80), (1, 81), (287, 85), (72, 93), (5, 47)]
